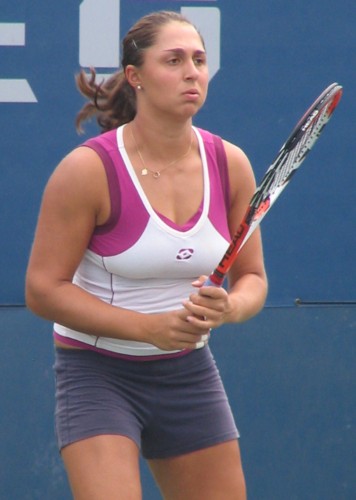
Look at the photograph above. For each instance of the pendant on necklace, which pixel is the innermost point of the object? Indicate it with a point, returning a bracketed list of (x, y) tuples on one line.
[(155, 174)]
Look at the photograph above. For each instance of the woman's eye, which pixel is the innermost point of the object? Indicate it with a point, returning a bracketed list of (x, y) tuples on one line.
[(199, 61)]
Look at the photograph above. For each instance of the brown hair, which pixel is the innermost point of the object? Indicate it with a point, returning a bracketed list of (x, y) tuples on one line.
[(113, 102)]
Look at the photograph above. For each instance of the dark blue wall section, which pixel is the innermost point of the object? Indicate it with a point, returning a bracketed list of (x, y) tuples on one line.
[(290, 372)]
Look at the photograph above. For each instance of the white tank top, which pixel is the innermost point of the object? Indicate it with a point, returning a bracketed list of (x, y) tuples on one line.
[(141, 260)]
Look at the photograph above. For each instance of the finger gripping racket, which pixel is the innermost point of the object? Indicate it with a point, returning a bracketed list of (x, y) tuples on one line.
[(288, 160)]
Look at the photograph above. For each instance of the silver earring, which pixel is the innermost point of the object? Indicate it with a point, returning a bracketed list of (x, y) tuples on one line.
[(139, 87)]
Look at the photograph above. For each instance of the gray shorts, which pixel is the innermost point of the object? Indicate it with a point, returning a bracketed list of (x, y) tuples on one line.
[(168, 407)]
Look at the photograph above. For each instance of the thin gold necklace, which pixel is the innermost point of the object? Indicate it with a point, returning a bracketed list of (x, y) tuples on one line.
[(157, 173)]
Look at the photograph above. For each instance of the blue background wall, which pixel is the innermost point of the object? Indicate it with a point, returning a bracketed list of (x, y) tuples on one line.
[(290, 372)]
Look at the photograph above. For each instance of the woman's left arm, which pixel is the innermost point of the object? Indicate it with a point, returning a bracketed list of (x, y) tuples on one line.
[(247, 282)]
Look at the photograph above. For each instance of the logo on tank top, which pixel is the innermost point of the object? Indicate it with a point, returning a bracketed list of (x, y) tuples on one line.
[(184, 253)]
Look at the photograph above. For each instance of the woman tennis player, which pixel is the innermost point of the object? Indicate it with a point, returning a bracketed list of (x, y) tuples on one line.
[(131, 223)]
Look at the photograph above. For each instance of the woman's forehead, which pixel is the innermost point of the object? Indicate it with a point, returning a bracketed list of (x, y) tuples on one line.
[(178, 35)]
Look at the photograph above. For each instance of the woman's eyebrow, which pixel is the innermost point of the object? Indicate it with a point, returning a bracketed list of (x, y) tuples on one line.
[(179, 50)]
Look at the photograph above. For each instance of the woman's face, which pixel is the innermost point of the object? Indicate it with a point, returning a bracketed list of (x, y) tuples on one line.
[(174, 76)]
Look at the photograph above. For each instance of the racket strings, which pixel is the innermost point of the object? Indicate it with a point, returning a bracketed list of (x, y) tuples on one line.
[(289, 160), (311, 134)]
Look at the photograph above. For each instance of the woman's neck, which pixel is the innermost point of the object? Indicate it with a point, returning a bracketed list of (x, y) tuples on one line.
[(162, 140)]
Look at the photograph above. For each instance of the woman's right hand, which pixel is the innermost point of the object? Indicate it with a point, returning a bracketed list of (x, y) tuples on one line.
[(172, 331)]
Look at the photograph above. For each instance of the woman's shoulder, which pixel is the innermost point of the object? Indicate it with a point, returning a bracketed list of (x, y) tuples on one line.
[(234, 153), (105, 140), (82, 167), (88, 155), (213, 137), (240, 172)]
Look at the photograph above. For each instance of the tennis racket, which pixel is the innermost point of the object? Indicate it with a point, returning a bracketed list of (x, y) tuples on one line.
[(288, 160)]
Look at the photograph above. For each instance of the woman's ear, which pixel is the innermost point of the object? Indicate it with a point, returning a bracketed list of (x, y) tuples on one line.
[(132, 76)]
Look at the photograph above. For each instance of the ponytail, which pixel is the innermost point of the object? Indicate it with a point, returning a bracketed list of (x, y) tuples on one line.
[(112, 102)]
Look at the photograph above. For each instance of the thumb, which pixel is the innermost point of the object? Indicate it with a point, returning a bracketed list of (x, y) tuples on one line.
[(200, 281)]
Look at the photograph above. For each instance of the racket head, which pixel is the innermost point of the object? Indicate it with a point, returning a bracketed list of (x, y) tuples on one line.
[(320, 111), (294, 151), (289, 158)]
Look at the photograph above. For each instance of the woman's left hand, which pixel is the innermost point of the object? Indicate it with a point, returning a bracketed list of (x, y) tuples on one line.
[(209, 306)]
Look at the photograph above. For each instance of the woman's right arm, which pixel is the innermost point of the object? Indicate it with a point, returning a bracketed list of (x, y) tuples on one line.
[(76, 200)]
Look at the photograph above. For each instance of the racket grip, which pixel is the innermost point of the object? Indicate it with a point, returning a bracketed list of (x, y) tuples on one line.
[(213, 282), (208, 282)]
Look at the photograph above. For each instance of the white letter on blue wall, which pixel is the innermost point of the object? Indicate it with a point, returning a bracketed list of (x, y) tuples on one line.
[(14, 89), (207, 20), (99, 34)]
